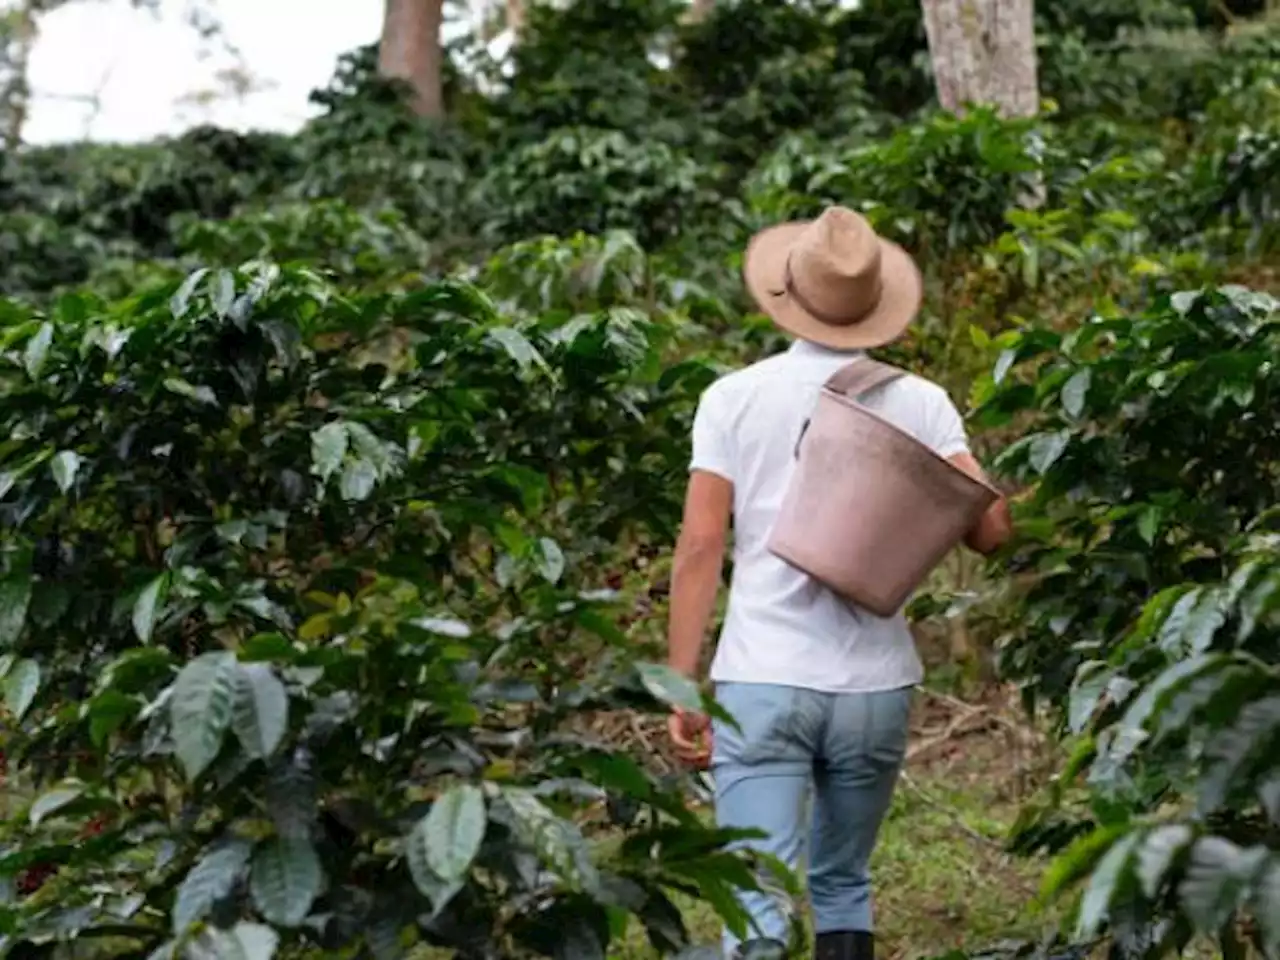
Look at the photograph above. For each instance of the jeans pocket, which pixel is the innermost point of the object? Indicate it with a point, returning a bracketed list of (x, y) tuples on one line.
[(764, 714)]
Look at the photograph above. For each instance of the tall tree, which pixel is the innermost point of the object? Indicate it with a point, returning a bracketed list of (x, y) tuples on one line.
[(699, 10), (515, 17), (410, 51), (20, 31), (984, 52), (17, 40)]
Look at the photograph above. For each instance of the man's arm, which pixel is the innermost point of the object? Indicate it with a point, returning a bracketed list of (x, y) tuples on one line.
[(696, 569), (996, 526)]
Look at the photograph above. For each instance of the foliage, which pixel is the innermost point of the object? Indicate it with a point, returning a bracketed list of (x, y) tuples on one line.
[(596, 180), (1153, 452), (1149, 620), (1187, 707), (359, 246), (276, 603), (323, 449)]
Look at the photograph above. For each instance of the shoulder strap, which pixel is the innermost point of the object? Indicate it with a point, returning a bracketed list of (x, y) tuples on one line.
[(864, 375)]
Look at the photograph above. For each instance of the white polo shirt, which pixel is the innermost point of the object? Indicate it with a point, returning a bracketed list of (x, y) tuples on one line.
[(782, 626)]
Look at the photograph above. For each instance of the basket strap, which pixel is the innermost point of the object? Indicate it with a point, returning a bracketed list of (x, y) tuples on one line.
[(859, 378)]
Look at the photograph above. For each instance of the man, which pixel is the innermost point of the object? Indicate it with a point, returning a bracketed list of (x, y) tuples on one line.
[(821, 691)]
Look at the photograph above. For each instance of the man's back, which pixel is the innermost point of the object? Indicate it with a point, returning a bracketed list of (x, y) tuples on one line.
[(782, 626)]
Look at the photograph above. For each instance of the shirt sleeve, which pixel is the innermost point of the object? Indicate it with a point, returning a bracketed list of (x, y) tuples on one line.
[(946, 435), (712, 441)]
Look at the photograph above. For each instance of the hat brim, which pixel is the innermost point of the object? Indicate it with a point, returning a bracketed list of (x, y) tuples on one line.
[(764, 270)]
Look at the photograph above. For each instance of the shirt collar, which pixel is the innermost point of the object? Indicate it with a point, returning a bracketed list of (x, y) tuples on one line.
[(806, 348)]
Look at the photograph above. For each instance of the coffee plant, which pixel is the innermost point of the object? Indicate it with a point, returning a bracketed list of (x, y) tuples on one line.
[(1150, 618), (340, 471), (279, 606)]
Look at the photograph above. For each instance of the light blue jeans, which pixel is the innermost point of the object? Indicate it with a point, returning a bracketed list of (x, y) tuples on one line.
[(843, 749)]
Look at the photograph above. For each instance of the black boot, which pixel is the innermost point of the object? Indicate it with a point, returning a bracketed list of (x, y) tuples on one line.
[(844, 945)]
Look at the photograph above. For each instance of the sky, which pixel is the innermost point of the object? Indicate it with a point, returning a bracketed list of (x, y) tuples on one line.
[(144, 64)]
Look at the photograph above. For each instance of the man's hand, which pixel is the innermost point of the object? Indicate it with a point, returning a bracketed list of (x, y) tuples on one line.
[(995, 527), (691, 737)]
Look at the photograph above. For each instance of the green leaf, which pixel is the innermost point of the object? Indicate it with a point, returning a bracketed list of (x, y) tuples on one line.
[(261, 715), (64, 467), (1218, 876), (21, 686), (1157, 610), (1254, 604), (1004, 363), (108, 711), (1130, 729), (1074, 392), (286, 879), (558, 843), (517, 346), (1157, 853), (15, 600), (432, 886), (1090, 684), (244, 941), (453, 831), (181, 299), (52, 801), (1046, 449), (147, 605), (550, 560), (1149, 523), (200, 394), (211, 879), (328, 449), (201, 709), (1229, 751), (1193, 622), (1079, 859), (383, 937), (670, 686), (1184, 300), (444, 627), (37, 351), (1265, 905), (291, 795), (224, 293), (358, 480), (578, 937), (1106, 882)]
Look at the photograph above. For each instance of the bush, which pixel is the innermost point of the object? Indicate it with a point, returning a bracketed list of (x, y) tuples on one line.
[(583, 180), (283, 575), (1149, 609), (1152, 452), (303, 602)]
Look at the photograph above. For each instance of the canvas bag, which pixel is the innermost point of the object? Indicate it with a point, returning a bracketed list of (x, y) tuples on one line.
[(870, 511)]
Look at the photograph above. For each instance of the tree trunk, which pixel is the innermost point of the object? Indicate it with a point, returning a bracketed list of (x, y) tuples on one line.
[(984, 52), (16, 45), (410, 51), (515, 18), (699, 10)]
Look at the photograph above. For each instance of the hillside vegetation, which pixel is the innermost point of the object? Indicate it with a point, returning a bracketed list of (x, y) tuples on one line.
[(338, 474)]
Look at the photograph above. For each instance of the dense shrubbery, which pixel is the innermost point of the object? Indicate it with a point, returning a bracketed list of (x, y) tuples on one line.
[(334, 463), (1152, 619), (279, 572)]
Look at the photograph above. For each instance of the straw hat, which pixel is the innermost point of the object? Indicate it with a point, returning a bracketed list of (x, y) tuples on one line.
[(833, 280)]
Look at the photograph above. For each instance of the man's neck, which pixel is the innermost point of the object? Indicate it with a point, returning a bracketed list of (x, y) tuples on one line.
[(808, 348)]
